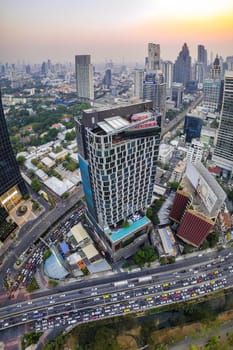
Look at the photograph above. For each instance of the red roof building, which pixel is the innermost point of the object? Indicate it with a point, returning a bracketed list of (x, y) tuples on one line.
[(194, 228), (181, 202)]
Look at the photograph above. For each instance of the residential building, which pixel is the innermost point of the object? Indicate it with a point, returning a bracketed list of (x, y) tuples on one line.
[(84, 78), (12, 185), (165, 153), (182, 66), (178, 172), (223, 153), (192, 127), (195, 151), (118, 151)]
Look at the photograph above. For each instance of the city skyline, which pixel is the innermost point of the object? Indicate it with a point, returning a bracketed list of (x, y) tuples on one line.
[(117, 30)]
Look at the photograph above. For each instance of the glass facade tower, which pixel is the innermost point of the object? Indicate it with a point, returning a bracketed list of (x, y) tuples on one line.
[(12, 185)]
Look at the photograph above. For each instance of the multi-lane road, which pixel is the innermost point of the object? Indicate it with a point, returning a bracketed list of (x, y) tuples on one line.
[(121, 293)]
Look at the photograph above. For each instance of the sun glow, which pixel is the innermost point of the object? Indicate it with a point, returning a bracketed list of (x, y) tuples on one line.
[(191, 9)]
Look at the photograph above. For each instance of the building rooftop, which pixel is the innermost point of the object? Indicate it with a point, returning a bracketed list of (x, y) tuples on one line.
[(79, 233), (57, 186), (207, 194)]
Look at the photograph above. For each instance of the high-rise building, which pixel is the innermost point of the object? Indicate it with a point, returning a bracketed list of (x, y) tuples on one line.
[(154, 89), (223, 154), (167, 69), (212, 94), (138, 82), (118, 151), (177, 94), (182, 66), (202, 55), (107, 81), (84, 78), (12, 186), (153, 57), (192, 127), (215, 71)]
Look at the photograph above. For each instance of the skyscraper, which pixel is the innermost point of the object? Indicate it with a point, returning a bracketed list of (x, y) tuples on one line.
[(138, 82), (167, 69), (154, 89), (182, 66), (153, 56), (107, 81), (84, 78), (223, 154), (215, 71), (118, 150), (202, 55), (12, 186)]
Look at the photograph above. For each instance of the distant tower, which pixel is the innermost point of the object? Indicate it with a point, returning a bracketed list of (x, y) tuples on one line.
[(138, 82), (182, 66), (154, 89), (153, 56), (12, 185), (84, 77), (202, 55), (107, 81), (216, 69), (223, 154), (167, 69)]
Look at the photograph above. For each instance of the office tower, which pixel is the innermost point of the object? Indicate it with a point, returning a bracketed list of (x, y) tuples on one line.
[(138, 82), (215, 71), (177, 94), (118, 150), (84, 78), (44, 68), (154, 89), (192, 127), (153, 57), (223, 154), (182, 66), (12, 186), (212, 94), (167, 69), (202, 55), (107, 81), (195, 151)]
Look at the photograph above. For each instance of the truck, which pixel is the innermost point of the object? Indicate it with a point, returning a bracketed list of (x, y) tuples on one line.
[(120, 283), (145, 279)]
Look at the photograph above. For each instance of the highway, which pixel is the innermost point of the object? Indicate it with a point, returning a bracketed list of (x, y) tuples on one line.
[(176, 121), (122, 293)]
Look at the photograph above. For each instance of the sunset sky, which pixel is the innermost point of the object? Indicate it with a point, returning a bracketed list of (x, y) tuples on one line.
[(37, 30)]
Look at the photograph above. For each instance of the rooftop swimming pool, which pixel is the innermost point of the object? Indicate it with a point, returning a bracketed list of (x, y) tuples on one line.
[(54, 269), (125, 231)]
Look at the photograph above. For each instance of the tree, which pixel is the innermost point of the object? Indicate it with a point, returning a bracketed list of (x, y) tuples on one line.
[(20, 160), (35, 206), (36, 185)]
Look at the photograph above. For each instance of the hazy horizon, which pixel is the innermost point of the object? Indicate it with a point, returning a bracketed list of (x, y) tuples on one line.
[(118, 30)]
